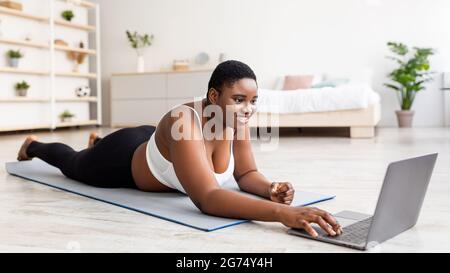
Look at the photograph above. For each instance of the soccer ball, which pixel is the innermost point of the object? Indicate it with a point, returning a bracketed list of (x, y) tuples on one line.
[(82, 91)]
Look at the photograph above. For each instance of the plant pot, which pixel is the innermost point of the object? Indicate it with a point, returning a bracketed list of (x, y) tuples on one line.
[(66, 119), (14, 62), (140, 64), (405, 118), (21, 92)]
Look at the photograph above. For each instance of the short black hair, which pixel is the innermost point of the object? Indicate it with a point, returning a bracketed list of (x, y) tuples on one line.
[(227, 73)]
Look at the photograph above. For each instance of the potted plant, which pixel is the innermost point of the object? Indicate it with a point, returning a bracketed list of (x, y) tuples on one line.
[(409, 78), (139, 43), (66, 116), (22, 88), (67, 15), (14, 56)]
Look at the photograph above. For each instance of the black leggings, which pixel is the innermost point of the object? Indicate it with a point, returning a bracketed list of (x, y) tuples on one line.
[(107, 164)]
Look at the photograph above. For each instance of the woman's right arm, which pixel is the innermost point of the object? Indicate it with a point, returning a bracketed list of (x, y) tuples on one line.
[(226, 203), (192, 169)]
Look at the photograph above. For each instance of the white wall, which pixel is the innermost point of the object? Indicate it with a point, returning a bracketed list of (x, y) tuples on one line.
[(276, 37)]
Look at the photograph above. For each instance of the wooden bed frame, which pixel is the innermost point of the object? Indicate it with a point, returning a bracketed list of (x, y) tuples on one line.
[(361, 122)]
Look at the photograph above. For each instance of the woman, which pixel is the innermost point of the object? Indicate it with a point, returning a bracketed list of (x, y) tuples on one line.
[(159, 160)]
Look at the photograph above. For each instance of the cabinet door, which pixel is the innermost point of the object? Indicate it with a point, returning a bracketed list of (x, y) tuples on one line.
[(139, 87), (125, 113), (187, 85)]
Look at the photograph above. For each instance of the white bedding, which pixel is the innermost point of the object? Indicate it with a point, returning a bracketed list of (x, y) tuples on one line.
[(343, 97)]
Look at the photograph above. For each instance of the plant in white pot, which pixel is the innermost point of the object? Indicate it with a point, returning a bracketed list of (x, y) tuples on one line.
[(140, 43), (66, 116), (409, 78), (14, 56), (22, 88)]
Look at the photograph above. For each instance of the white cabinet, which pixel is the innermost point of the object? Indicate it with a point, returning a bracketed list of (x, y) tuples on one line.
[(142, 99)]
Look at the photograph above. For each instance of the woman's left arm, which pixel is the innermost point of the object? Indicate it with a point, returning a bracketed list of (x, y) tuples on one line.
[(251, 180)]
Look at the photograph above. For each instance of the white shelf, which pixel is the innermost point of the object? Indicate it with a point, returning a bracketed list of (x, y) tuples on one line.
[(25, 127), (84, 99), (22, 14), (46, 100), (84, 4), (24, 99), (76, 75), (74, 25), (24, 43), (74, 49), (46, 46), (44, 19), (76, 123), (13, 70)]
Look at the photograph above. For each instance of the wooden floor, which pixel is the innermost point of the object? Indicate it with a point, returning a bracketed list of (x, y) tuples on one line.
[(36, 218)]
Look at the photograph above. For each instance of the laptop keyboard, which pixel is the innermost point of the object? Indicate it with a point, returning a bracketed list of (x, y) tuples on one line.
[(355, 233)]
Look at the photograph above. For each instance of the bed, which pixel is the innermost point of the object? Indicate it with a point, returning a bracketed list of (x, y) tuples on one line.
[(353, 105)]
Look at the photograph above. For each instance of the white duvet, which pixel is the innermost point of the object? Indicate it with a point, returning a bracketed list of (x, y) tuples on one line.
[(343, 97)]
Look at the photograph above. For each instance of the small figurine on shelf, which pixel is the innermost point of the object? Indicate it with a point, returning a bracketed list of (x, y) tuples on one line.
[(61, 42), (66, 116), (22, 88), (14, 57), (67, 15), (83, 91), (77, 57)]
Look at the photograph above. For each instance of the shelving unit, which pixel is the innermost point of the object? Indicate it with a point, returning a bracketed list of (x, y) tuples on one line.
[(57, 75)]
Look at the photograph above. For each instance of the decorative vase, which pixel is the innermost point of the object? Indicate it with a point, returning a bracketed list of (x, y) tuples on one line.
[(21, 92), (405, 118), (76, 67), (140, 64), (14, 62)]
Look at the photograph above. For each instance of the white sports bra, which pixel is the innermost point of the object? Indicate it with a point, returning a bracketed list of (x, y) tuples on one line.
[(164, 171)]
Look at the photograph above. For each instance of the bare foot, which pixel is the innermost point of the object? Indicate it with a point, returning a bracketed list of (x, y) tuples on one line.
[(22, 155), (92, 137)]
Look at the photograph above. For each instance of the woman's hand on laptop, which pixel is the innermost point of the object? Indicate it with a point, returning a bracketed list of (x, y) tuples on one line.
[(301, 217), (281, 192)]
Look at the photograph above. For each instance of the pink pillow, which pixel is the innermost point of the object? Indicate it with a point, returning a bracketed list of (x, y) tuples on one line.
[(298, 82)]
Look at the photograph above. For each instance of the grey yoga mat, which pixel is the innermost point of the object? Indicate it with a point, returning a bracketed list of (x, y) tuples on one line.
[(175, 207)]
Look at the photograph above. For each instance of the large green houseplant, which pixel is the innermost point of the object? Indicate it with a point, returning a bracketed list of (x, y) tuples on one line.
[(409, 78)]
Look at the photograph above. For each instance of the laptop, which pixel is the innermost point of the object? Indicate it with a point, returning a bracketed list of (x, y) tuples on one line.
[(397, 210)]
